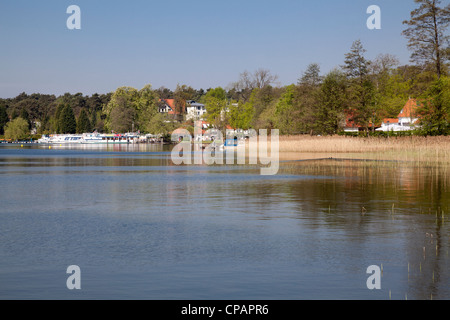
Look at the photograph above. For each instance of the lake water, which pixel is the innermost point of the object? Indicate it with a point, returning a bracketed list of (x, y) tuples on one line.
[(140, 227)]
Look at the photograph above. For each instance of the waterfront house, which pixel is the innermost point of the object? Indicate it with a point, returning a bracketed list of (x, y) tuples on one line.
[(168, 106), (406, 120), (352, 126), (195, 110)]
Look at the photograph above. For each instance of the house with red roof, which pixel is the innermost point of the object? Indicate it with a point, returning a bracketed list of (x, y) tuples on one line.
[(388, 124), (352, 126), (406, 119), (168, 106), (408, 116)]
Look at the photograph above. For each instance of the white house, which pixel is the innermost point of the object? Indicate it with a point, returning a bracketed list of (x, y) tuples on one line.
[(405, 121), (408, 115), (195, 110)]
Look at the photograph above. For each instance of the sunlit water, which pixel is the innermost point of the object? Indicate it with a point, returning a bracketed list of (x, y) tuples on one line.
[(140, 227)]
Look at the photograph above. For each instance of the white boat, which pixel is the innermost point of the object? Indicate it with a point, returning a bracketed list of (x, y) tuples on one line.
[(98, 138), (89, 138), (233, 143), (61, 139), (44, 139), (93, 138)]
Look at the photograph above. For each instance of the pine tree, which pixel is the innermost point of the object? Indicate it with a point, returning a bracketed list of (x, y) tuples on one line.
[(361, 88), (83, 123), (57, 118), (426, 34), (356, 66), (332, 102), (67, 121), (94, 120), (311, 77), (3, 118)]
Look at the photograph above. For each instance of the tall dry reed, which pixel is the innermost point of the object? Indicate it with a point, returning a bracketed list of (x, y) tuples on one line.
[(393, 148)]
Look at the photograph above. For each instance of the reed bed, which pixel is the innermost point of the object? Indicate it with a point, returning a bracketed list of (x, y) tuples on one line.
[(413, 148)]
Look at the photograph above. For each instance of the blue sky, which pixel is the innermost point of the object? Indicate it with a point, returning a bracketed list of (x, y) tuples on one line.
[(198, 43)]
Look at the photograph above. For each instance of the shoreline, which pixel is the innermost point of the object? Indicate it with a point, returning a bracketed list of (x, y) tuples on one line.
[(430, 149)]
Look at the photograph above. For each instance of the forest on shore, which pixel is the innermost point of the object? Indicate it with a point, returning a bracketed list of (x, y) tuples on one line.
[(360, 90)]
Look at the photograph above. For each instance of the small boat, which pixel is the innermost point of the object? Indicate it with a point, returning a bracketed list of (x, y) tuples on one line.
[(231, 142)]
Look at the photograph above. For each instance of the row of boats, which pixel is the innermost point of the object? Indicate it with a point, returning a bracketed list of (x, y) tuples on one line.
[(91, 138), (127, 138)]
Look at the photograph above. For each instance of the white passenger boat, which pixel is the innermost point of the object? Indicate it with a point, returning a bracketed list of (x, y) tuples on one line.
[(61, 139), (89, 138), (98, 138), (93, 138)]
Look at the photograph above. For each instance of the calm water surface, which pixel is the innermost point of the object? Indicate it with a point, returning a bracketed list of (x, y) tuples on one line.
[(140, 227)]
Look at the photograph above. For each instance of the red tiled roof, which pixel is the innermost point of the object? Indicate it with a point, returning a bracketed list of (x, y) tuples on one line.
[(390, 120), (409, 109), (350, 122), (171, 104)]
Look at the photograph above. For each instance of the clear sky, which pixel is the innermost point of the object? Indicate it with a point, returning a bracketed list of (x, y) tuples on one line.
[(201, 43)]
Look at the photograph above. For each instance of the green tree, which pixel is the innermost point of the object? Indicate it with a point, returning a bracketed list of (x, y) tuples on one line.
[(121, 118), (182, 94), (390, 92), (308, 92), (3, 118), (356, 65), (426, 34), (83, 123), (311, 77), (164, 93), (67, 121), (361, 90), (264, 102), (333, 100), (25, 115), (435, 111), (147, 108), (216, 107), (284, 112), (57, 117), (241, 115), (14, 114), (393, 95), (160, 124), (17, 129), (94, 120), (121, 111)]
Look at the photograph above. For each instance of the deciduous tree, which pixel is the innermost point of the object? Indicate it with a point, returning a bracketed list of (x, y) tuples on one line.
[(17, 129)]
